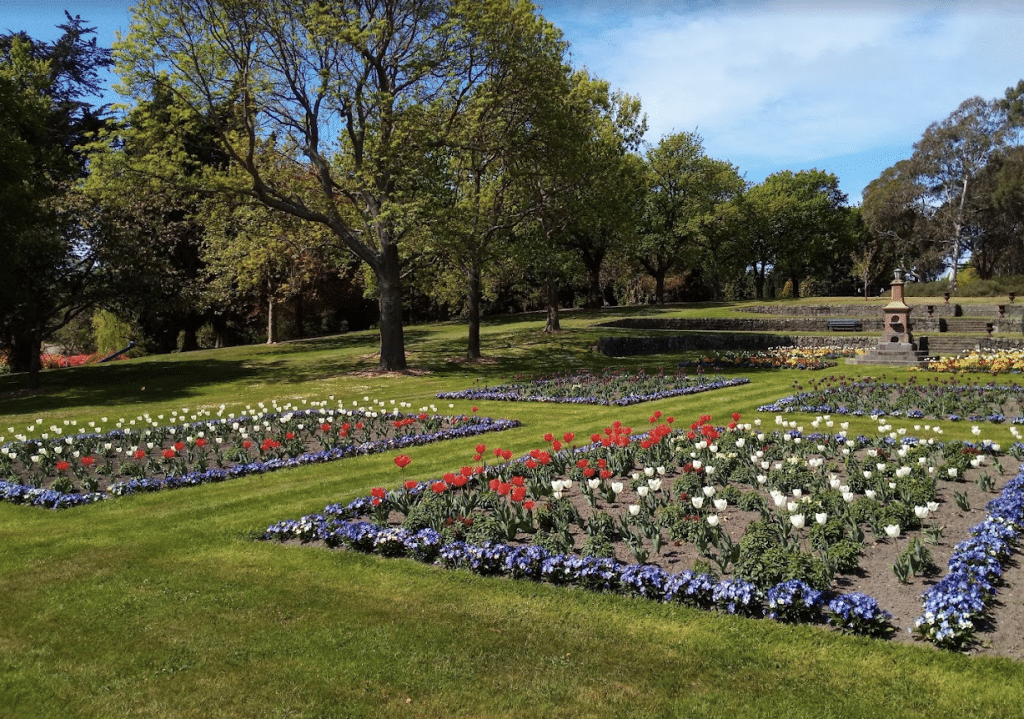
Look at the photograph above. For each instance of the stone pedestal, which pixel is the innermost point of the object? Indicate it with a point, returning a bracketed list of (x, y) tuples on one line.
[(897, 346)]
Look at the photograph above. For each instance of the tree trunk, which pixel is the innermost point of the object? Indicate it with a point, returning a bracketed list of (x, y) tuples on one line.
[(473, 310), (190, 340), (796, 286), (271, 320), (659, 288), (392, 335), (25, 350), (300, 317), (551, 286), (595, 293), (758, 282)]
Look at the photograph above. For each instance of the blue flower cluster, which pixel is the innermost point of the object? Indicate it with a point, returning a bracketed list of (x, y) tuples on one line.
[(735, 596), (859, 613), (794, 601), (789, 601), (500, 395), (52, 499), (798, 402), (957, 603)]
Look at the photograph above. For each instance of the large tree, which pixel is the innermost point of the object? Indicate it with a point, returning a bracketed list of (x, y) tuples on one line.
[(686, 188), (946, 161), (364, 97), (59, 252), (797, 225), (480, 212)]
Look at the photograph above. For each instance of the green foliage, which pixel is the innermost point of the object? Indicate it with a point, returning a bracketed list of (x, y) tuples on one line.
[(556, 515), (688, 483), (112, 333), (554, 542), (484, 528), (896, 512), (865, 511), (730, 493), (752, 501), (845, 555), (682, 522), (597, 546), (603, 526), (823, 536)]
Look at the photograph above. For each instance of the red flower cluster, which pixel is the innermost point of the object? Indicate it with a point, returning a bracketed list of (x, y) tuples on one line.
[(88, 461), (703, 428), (402, 461), (616, 434), (62, 465), (269, 444)]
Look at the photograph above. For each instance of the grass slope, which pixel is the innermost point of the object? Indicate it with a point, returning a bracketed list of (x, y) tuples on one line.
[(162, 605)]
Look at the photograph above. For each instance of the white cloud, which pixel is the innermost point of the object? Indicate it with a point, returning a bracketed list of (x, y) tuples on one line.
[(797, 83)]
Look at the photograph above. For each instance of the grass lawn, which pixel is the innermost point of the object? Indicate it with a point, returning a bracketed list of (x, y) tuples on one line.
[(162, 605)]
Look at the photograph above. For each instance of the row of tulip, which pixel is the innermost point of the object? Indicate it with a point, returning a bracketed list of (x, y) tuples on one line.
[(171, 468)]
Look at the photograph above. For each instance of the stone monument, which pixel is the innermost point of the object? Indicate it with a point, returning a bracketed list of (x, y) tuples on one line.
[(897, 347)]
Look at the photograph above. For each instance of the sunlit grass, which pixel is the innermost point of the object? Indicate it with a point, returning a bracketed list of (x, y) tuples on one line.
[(161, 605)]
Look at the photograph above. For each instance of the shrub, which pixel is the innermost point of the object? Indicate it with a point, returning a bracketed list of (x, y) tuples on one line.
[(553, 542), (598, 547), (556, 515), (752, 502)]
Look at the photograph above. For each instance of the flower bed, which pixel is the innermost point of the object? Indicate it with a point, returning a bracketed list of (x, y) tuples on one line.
[(614, 387), (932, 399), (959, 603), (1010, 361), (733, 518), (810, 358), (142, 455)]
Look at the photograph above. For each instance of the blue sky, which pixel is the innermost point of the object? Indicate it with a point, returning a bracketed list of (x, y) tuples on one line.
[(845, 86)]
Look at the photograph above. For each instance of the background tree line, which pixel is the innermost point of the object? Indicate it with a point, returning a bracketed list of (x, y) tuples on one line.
[(292, 168)]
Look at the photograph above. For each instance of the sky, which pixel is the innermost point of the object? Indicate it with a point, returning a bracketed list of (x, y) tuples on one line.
[(845, 86)]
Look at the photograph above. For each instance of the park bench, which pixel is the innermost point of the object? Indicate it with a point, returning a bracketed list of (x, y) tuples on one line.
[(844, 325)]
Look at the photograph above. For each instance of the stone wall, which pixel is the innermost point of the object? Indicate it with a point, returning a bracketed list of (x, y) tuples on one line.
[(725, 341), (1010, 320)]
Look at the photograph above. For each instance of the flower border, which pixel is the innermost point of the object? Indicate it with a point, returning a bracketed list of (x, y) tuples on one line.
[(959, 602), (52, 499), (492, 393)]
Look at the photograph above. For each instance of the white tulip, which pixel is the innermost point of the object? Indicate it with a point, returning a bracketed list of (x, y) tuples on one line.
[(893, 530), (713, 520), (616, 487), (720, 504), (634, 509), (869, 493), (821, 517), (642, 490), (698, 502), (708, 491), (797, 520)]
